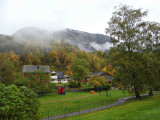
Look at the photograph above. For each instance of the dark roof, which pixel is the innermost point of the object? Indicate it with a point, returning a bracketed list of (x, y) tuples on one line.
[(36, 68), (60, 75), (0, 79), (96, 73), (109, 77)]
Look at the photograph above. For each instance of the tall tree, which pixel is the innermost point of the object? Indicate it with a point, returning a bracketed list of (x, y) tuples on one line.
[(6, 69), (150, 71), (151, 40), (125, 30), (98, 81), (32, 59), (80, 69), (53, 55)]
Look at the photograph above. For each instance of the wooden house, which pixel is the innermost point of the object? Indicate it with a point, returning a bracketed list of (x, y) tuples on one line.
[(102, 74), (38, 71)]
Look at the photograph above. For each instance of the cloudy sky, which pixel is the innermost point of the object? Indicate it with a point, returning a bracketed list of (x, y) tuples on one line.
[(85, 15)]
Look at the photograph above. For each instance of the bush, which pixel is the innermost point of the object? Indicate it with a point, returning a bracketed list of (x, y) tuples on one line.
[(73, 84), (40, 87), (44, 88), (18, 103), (21, 82)]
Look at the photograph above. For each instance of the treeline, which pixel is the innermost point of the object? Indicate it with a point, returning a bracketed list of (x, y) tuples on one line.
[(58, 55)]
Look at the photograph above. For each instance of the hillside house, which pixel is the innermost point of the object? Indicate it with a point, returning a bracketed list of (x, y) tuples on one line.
[(58, 77), (37, 70), (102, 74)]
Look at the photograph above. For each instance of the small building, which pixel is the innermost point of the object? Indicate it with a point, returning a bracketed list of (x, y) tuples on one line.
[(58, 77), (102, 74), (36, 70)]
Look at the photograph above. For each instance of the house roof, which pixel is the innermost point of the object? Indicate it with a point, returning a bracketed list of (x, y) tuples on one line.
[(60, 75), (96, 73), (53, 72), (36, 68)]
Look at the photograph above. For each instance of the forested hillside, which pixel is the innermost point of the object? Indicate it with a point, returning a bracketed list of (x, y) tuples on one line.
[(58, 54)]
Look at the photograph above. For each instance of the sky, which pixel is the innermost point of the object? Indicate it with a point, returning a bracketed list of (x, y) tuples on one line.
[(85, 15)]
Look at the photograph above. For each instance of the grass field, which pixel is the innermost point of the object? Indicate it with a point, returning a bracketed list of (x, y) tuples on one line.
[(146, 108), (74, 101)]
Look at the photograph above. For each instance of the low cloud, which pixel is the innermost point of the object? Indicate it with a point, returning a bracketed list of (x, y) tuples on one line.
[(85, 15)]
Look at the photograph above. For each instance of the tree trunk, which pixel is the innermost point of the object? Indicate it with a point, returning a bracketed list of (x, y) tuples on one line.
[(79, 83), (99, 91), (95, 88), (137, 93), (150, 92), (106, 93)]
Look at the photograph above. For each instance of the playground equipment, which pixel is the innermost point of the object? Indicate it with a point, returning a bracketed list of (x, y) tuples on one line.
[(61, 91), (92, 92)]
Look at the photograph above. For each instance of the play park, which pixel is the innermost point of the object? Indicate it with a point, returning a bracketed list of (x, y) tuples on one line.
[(57, 104)]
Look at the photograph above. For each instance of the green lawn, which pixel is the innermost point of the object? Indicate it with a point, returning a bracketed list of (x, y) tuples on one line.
[(146, 108), (73, 101)]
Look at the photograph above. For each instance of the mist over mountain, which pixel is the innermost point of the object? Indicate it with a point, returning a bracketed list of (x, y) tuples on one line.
[(84, 41)]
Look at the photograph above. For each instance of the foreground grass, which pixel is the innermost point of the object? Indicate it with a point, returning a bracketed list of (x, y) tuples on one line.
[(146, 108), (74, 101)]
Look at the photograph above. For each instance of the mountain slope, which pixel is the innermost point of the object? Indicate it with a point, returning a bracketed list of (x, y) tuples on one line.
[(84, 41)]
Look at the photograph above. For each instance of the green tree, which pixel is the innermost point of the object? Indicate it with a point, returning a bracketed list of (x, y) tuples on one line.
[(58, 63), (32, 59), (98, 82), (6, 69), (40, 83), (151, 38), (80, 69), (125, 29), (18, 103), (21, 81), (150, 71), (53, 56)]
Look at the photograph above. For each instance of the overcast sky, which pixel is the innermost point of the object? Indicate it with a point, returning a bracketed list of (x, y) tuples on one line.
[(85, 15)]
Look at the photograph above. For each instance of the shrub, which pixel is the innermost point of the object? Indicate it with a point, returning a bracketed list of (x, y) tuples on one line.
[(18, 103), (73, 84)]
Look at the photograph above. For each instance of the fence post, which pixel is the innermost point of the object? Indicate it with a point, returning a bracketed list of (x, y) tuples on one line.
[(48, 114), (65, 110), (118, 101), (79, 109), (101, 106)]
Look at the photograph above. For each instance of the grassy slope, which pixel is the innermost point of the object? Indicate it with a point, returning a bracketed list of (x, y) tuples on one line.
[(147, 108), (59, 104)]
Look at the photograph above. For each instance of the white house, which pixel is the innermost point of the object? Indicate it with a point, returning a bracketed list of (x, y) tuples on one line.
[(58, 77)]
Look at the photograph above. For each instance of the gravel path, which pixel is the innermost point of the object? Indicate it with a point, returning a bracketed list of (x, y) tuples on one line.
[(119, 101)]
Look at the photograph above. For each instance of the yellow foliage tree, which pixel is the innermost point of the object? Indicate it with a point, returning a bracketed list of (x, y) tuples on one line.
[(98, 81), (32, 59), (109, 70), (14, 57), (53, 54)]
